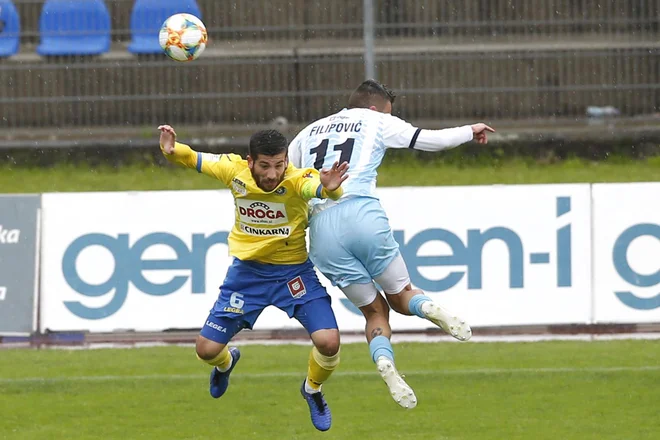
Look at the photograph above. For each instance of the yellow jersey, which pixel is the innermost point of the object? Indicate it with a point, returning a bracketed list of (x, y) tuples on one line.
[(270, 226)]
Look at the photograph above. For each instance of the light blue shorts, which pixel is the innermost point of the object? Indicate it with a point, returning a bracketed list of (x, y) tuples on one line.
[(352, 242)]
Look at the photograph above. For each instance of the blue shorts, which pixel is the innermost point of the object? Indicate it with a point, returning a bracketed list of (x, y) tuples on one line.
[(250, 287), (352, 242)]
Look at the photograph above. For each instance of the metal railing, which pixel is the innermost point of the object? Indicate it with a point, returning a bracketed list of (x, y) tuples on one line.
[(300, 58)]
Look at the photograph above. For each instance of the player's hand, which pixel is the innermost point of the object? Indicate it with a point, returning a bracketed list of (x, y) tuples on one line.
[(479, 131), (332, 178), (167, 138)]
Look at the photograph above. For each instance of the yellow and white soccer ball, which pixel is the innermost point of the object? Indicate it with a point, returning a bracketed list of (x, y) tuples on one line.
[(183, 37)]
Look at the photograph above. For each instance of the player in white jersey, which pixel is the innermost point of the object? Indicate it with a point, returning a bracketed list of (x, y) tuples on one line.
[(351, 241)]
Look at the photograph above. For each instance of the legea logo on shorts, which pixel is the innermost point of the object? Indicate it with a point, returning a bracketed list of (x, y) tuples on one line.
[(216, 327), (263, 213), (129, 266), (620, 258)]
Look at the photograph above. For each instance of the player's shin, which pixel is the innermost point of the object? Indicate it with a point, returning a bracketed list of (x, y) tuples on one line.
[(319, 370), (381, 347), (379, 332)]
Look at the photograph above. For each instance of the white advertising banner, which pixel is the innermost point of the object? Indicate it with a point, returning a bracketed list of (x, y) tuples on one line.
[(497, 255), (142, 261), (151, 261), (626, 252)]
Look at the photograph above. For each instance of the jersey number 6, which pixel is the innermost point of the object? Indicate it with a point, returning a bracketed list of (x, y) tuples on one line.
[(346, 151)]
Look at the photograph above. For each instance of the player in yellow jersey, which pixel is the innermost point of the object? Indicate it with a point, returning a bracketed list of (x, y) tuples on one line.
[(270, 266)]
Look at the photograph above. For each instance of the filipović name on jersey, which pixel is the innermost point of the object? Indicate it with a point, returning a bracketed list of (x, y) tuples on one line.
[(336, 127), (283, 231)]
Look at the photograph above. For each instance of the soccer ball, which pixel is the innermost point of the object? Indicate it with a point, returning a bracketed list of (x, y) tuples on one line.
[(183, 37)]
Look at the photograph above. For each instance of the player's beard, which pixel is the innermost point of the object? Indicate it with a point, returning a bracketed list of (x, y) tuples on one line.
[(268, 185)]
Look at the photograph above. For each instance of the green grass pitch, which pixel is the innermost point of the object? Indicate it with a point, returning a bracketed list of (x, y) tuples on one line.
[(393, 172), (543, 390)]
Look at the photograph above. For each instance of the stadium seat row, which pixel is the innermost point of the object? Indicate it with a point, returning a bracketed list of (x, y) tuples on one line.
[(82, 27)]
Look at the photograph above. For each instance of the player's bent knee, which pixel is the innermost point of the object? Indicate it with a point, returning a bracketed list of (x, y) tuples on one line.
[(207, 349), (326, 341)]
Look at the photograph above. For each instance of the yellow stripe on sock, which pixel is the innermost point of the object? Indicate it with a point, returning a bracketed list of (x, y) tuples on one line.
[(222, 360), (320, 368)]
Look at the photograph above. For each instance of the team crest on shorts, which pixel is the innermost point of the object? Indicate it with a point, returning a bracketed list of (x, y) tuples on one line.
[(297, 287)]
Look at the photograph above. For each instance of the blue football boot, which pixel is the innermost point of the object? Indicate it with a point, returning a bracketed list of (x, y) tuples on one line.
[(220, 381), (318, 409)]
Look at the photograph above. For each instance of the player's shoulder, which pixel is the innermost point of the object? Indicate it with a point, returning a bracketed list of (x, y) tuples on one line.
[(370, 118), (295, 173), (229, 158), (234, 165), (355, 113), (339, 116), (360, 113), (393, 124), (235, 158), (390, 118), (235, 162), (297, 176)]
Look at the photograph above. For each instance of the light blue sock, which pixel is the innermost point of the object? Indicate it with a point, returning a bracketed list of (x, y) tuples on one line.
[(415, 304), (381, 346)]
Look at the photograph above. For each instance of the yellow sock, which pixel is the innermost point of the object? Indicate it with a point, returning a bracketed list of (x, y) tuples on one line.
[(320, 368), (222, 360)]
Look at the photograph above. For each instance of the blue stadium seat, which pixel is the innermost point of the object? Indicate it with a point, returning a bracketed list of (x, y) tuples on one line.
[(10, 28), (147, 18), (74, 27)]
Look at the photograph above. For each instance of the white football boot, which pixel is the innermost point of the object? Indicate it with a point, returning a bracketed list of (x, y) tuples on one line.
[(447, 321), (399, 389)]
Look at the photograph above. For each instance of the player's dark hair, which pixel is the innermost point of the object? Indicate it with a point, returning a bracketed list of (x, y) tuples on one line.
[(369, 93), (267, 142)]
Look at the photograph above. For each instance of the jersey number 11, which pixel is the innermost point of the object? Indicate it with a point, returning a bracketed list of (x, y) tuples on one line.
[(346, 151)]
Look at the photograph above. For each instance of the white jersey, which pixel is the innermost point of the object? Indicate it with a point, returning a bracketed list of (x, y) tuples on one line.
[(357, 136), (360, 137)]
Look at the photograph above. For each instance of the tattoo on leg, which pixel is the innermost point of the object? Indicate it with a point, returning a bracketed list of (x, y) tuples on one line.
[(376, 332)]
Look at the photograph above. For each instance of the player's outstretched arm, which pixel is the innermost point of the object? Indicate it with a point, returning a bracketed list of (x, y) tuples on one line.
[(220, 166), (438, 140), (401, 134)]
